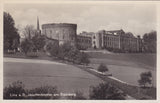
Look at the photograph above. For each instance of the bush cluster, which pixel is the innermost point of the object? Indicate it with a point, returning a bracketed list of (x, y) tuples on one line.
[(17, 91), (33, 44), (106, 91), (103, 91), (68, 53)]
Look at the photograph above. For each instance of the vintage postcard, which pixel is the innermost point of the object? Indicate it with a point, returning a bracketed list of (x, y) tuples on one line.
[(80, 50)]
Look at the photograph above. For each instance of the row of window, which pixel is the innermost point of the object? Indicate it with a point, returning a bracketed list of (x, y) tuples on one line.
[(111, 44), (84, 40), (111, 39)]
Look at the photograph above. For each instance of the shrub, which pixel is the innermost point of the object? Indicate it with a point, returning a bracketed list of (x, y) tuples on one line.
[(102, 68), (44, 90), (27, 46), (146, 78), (52, 48), (107, 92), (14, 91)]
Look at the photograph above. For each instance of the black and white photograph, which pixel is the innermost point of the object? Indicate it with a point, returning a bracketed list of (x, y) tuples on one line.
[(80, 51)]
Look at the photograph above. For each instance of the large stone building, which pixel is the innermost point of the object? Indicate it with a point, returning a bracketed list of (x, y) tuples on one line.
[(63, 32), (84, 40), (116, 39)]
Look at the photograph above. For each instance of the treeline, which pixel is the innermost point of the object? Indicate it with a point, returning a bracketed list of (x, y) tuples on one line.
[(150, 42)]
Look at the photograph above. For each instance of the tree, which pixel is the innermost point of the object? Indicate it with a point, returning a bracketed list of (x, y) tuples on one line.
[(52, 48), (29, 31), (38, 41), (145, 79), (73, 54), (106, 91), (10, 32), (27, 46), (16, 43), (102, 68), (150, 42)]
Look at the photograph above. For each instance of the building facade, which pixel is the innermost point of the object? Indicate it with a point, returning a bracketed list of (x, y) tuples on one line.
[(111, 40), (119, 40), (63, 32), (84, 42)]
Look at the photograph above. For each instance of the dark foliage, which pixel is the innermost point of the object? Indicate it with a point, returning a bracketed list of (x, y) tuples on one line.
[(27, 46), (150, 42), (51, 90), (68, 52), (106, 91), (14, 91), (11, 36), (52, 48), (146, 78), (102, 68), (38, 41)]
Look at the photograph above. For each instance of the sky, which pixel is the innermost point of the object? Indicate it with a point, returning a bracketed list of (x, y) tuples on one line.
[(91, 17)]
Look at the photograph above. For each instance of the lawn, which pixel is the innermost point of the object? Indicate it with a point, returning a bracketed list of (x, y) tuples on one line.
[(133, 91), (139, 59), (126, 67), (36, 73)]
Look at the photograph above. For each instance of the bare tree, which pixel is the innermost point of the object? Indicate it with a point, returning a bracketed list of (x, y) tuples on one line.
[(29, 31)]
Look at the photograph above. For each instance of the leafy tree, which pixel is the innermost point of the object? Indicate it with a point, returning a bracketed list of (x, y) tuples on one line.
[(150, 40), (53, 48), (102, 68), (66, 49), (145, 78), (68, 52), (38, 41), (72, 54), (106, 91), (27, 46), (15, 43), (10, 32)]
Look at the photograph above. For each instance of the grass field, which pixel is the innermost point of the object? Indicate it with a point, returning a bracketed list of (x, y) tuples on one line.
[(126, 67), (36, 73), (33, 72), (147, 61)]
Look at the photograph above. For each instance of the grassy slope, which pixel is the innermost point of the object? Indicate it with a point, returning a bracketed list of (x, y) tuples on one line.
[(138, 59), (134, 91), (147, 61), (39, 74)]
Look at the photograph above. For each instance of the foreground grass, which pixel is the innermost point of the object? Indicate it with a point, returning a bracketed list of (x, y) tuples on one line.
[(133, 91)]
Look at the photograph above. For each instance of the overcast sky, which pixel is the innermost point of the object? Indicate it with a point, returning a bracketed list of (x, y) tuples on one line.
[(138, 19)]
